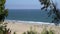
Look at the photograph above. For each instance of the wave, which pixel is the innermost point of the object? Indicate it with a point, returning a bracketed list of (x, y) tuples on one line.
[(19, 21)]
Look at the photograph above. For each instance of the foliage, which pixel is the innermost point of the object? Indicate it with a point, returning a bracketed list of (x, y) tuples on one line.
[(51, 32), (3, 11), (30, 32), (53, 11), (3, 15), (24, 32), (14, 33), (3, 29), (45, 31)]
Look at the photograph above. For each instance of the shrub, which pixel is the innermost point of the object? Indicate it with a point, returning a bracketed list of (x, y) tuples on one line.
[(14, 33), (30, 32), (45, 31)]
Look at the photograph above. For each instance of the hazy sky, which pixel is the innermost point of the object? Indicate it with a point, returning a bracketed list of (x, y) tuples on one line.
[(25, 4)]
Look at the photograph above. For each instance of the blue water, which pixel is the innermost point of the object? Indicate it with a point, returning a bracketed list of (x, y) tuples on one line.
[(28, 15)]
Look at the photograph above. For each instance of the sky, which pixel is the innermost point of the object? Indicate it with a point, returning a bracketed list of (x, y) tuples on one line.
[(26, 4), (22, 4)]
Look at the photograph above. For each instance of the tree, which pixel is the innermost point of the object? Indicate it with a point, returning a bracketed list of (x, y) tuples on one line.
[(3, 15), (3, 11), (53, 12)]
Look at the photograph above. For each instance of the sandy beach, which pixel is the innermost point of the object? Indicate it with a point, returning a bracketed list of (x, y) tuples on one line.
[(19, 28)]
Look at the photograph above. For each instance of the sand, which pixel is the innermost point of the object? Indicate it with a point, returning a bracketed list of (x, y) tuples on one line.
[(19, 28)]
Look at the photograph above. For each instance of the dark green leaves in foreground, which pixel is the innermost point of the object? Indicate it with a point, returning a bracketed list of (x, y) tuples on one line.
[(46, 4), (53, 11), (3, 11)]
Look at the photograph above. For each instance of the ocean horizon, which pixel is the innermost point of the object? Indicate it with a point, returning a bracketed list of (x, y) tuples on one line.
[(34, 15)]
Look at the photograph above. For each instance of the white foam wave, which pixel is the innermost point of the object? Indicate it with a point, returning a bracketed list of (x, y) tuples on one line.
[(19, 21)]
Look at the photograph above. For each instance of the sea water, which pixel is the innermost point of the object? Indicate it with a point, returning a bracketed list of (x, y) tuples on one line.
[(28, 15)]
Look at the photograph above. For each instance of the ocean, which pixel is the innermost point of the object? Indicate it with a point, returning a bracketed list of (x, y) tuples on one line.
[(34, 15)]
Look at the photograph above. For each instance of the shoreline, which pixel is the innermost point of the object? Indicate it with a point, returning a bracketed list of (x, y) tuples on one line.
[(20, 27), (29, 22)]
